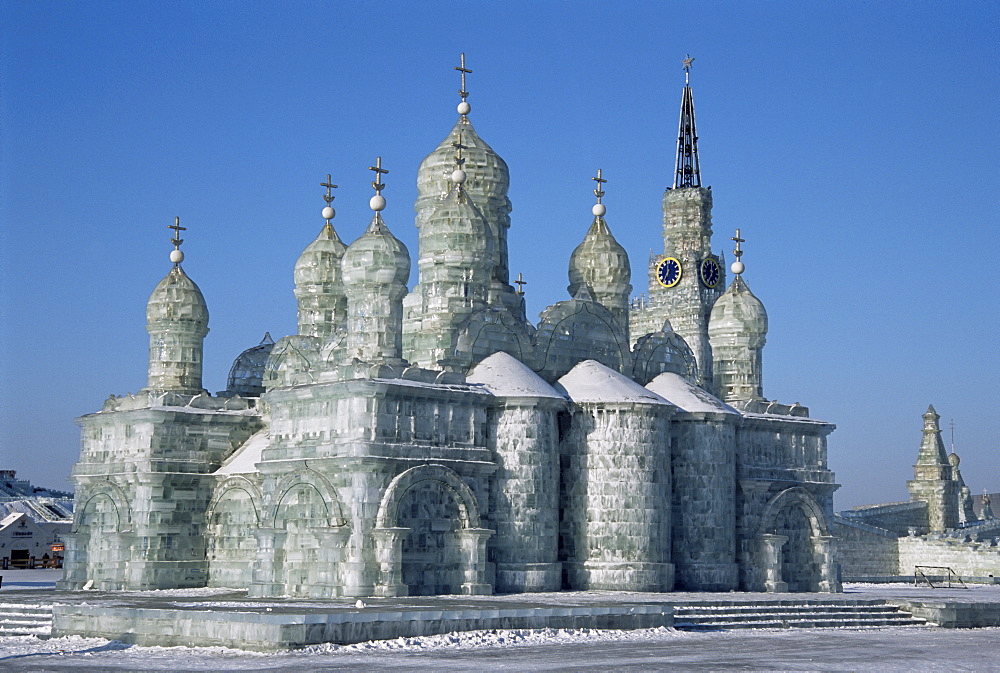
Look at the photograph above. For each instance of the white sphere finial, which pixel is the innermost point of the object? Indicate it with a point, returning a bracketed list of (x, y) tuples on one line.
[(328, 213), (377, 203), (464, 108), (599, 209), (737, 267), (458, 176), (176, 256)]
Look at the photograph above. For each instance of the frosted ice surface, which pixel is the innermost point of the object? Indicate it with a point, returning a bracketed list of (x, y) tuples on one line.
[(590, 381), (686, 395), (506, 376), (247, 456)]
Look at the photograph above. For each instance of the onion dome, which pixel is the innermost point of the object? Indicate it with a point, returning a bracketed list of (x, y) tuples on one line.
[(737, 312), (376, 257), (488, 175), (600, 263), (461, 235), (247, 373), (177, 302), (319, 263)]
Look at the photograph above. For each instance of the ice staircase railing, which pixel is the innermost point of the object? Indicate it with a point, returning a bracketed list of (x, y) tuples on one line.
[(949, 577)]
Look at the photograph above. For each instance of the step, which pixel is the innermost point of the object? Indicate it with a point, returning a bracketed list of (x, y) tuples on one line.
[(18, 619), (807, 615), (777, 609), (799, 624), (768, 616)]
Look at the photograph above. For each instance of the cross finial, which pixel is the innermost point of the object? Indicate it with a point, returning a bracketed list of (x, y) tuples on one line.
[(176, 226), (520, 282), (328, 197), (379, 172), (598, 192), (738, 251), (687, 61), (462, 69), (458, 153)]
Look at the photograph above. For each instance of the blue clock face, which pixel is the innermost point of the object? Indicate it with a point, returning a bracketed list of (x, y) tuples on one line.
[(669, 272), (711, 272)]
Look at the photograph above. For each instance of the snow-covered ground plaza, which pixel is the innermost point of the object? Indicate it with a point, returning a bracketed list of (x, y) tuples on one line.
[(884, 649)]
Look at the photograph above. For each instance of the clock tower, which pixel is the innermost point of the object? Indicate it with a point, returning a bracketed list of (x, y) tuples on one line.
[(687, 278)]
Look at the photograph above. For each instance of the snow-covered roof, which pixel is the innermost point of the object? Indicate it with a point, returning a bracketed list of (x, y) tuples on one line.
[(590, 381), (245, 459), (505, 376), (688, 396)]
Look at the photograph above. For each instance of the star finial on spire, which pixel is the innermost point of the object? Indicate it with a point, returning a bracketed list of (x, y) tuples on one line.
[(176, 256), (377, 202), (328, 212), (599, 208), (687, 61)]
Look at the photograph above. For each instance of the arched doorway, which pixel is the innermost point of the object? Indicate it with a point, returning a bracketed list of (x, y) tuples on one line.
[(427, 536), (232, 543), (431, 561), (795, 546)]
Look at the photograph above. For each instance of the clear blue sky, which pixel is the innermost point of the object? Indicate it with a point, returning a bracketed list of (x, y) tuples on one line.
[(855, 144)]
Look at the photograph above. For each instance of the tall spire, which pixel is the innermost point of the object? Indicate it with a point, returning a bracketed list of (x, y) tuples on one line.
[(688, 171)]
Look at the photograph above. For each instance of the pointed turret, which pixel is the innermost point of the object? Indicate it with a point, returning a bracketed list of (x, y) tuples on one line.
[(375, 270), (687, 172), (600, 264), (932, 477), (177, 322), (686, 281), (319, 287), (737, 331)]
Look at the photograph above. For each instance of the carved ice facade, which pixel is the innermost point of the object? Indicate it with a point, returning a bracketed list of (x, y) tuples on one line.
[(437, 442)]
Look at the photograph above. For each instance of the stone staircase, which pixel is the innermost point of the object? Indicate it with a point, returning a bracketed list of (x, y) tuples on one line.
[(25, 619), (791, 614)]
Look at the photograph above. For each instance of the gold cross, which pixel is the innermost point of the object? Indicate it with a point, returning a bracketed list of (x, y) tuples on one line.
[(379, 172), (600, 181), (462, 69), (176, 226), (329, 185), (520, 282), (738, 251), (459, 146)]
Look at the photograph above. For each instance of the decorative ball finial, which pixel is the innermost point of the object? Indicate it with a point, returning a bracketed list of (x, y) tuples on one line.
[(377, 202), (463, 108), (599, 208), (328, 212), (737, 267), (176, 256)]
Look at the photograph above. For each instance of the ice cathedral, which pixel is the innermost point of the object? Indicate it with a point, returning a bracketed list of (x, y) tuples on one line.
[(433, 440)]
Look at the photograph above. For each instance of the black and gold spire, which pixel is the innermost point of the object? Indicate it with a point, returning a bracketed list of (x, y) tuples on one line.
[(687, 172)]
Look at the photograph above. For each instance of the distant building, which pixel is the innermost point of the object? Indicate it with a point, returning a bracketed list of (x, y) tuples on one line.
[(32, 522), (434, 441), (942, 524)]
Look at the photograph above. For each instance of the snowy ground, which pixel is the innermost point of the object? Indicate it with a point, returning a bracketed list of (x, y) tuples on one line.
[(890, 649), (898, 649)]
